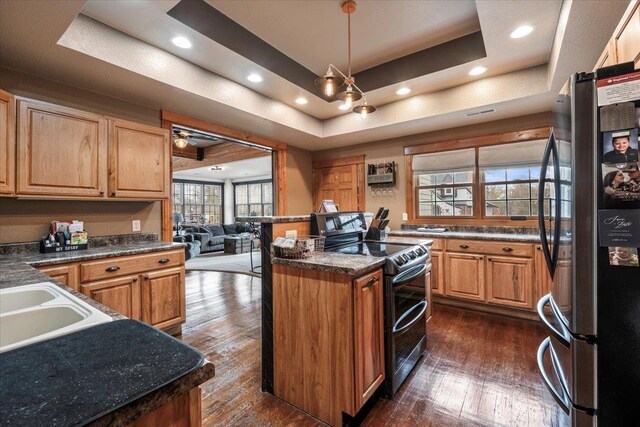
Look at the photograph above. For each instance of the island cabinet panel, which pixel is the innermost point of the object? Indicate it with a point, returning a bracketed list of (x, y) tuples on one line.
[(464, 276), (139, 160), (7, 144), (184, 410), (437, 278), (61, 151), (369, 328), (66, 274), (509, 281), (121, 294), (327, 340), (163, 298)]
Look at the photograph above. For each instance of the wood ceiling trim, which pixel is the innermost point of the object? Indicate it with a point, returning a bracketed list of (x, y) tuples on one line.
[(221, 153), (213, 24)]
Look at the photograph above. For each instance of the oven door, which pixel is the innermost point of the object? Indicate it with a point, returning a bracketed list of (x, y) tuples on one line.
[(405, 323)]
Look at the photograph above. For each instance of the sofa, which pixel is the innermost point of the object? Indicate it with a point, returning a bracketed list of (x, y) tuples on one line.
[(211, 236), (193, 246)]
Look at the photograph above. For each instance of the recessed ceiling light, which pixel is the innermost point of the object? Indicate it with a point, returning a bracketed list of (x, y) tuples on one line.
[(301, 101), (254, 78), (477, 71), (403, 91), (181, 42), (343, 107), (522, 31)]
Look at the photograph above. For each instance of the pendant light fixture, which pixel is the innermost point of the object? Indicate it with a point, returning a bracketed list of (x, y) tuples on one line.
[(331, 82)]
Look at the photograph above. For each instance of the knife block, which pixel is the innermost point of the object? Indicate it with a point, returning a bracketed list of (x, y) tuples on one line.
[(375, 234)]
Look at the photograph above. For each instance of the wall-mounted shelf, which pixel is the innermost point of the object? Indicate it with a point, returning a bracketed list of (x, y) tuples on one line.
[(381, 174)]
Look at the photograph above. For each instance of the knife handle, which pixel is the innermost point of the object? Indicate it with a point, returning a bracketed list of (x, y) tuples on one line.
[(379, 213)]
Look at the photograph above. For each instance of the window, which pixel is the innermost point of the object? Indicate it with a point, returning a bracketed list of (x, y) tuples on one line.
[(199, 202), (254, 198), (445, 182)]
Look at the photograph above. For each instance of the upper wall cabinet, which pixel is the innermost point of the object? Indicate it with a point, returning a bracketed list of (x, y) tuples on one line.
[(624, 46), (7, 144), (61, 151), (139, 161)]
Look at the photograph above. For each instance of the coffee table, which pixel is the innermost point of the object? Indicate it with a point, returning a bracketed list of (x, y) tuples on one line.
[(237, 244)]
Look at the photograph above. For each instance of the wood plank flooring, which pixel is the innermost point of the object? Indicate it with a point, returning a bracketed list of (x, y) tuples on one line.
[(478, 370)]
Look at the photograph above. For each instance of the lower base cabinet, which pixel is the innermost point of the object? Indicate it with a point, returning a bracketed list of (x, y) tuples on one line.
[(509, 281), (464, 276), (141, 288), (184, 410), (328, 342)]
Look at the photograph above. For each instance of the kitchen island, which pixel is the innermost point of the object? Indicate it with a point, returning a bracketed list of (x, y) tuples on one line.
[(126, 373)]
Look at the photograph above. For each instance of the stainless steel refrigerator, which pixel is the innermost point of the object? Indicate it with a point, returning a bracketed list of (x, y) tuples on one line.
[(590, 361)]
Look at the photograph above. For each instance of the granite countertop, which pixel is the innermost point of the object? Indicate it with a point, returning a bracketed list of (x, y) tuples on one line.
[(18, 270), (525, 238), (274, 219), (332, 262)]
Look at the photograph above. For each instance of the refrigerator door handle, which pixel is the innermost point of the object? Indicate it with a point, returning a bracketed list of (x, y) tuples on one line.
[(558, 206), (560, 397), (562, 336), (541, 221)]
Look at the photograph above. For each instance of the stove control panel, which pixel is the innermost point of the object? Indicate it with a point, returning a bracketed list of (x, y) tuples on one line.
[(411, 256)]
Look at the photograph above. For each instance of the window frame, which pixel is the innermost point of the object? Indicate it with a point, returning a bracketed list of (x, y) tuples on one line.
[(249, 201), (476, 142), (532, 198), (202, 205), (454, 187)]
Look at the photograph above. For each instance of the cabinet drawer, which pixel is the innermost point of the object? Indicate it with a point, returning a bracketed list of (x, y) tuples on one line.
[(497, 248), (119, 266), (438, 244)]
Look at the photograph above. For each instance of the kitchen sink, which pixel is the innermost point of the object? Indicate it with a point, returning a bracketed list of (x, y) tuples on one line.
[(37, 312)]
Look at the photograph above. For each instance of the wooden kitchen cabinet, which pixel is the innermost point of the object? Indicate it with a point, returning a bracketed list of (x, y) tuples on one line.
[(627, 40), (509, 281), (369, 337), (139, 160), (7, 144), (327, 340), (60, 151), (121, 294), (542, 276), (465, 276), (163, 298), (67, 274), (437, 278)]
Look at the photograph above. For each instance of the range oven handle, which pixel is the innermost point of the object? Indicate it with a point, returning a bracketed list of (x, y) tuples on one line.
[(422, 306), (408, 275), (561, 336), (559, 396)]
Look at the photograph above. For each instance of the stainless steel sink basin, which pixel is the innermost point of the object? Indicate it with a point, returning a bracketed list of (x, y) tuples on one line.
[(33, 313)]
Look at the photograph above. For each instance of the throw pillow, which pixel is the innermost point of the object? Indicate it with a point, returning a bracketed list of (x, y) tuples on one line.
[(215, 229), (230, 229)]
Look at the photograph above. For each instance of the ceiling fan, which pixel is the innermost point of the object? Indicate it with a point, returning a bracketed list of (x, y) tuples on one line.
[(182, 138)]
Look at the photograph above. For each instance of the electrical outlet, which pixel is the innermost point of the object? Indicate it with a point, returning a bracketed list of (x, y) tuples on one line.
[(405, 217), (135, 225), (291, 234)]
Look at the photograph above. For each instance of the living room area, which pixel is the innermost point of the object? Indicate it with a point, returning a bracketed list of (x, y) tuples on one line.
[(215, 180)]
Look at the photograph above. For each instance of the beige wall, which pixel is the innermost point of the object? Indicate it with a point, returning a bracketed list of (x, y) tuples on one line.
[(393, 150), (28, 220), (299, 181)]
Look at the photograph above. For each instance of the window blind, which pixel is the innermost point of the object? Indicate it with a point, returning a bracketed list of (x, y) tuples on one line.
[(449, 161), (527, 153)]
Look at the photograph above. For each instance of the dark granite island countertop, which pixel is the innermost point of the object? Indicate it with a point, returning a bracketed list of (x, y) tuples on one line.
[(18, 270), (525, 238), (333, 262)]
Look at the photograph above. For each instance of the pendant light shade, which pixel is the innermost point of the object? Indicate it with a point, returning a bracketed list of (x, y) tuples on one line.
[(180, 142), (364, 109), (349, 96)]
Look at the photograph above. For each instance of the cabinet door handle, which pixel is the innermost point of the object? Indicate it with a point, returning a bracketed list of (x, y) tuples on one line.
[(112, 268), (146, 277), (113, 193), (102, 192), (370, 282), (135, 279), (163, 261), (464, 246), (507, 249)]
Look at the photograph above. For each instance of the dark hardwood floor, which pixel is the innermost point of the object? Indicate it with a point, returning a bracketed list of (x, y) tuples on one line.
[(478, 370)]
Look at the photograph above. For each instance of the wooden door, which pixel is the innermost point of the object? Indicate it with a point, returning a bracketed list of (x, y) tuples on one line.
[(61, 151), (139, 161), (65, 274), (369, 335), (7, 144), (121, 294), (163, 297), (338, 183), (464, 276), (437, 278), (509, 281)]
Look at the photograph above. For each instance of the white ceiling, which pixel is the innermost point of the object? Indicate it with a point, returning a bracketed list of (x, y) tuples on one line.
[(124, 51), (258, 167)]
